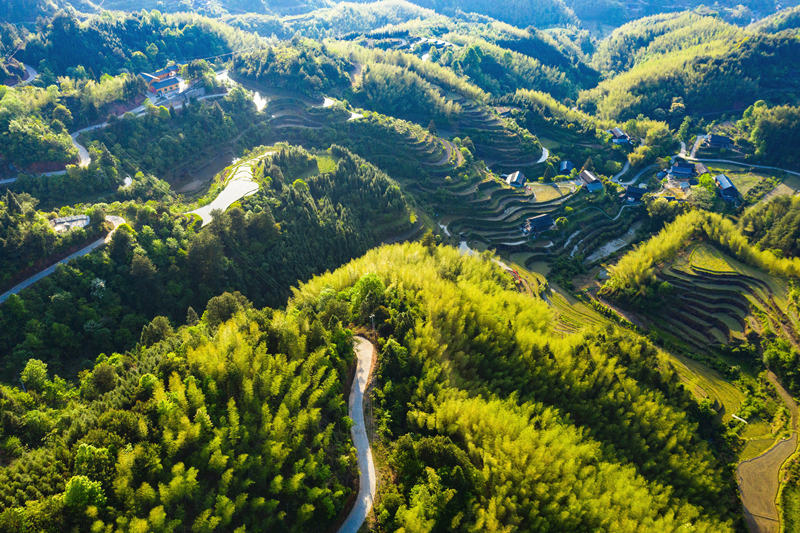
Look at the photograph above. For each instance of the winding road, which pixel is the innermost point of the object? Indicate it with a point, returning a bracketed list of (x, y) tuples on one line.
[(115, 221), (366, 481)]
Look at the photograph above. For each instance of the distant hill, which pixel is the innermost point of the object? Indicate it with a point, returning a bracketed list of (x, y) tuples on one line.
[(643, 39), (722, 75), (539, 13), (782, 20)]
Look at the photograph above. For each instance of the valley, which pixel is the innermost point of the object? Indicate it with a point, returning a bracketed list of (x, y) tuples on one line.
[(399, 266)]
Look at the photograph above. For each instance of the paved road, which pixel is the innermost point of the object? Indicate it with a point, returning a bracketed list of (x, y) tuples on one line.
[(743, 164), (366, 481), (116, 221), (84, 159), (696, 146), (32, 75), (622, 172), (758, 478)]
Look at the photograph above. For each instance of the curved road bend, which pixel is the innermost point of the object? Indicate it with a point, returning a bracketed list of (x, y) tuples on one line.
[(115, 220), (366, 480)]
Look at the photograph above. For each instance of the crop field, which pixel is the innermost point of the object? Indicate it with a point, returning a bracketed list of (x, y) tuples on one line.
[(759, 437), (708, 258), (713, 298), (744, 181), (572, 315), (705, 382), (546, 192)]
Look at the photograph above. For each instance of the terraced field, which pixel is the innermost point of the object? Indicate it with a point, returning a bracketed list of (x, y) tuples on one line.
[(715, 299), (481, 208)]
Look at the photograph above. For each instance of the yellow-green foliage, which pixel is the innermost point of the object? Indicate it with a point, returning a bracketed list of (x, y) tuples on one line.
[(740, 67), (218, 428), (649, 37), (635, 273), (482, 373), (431, 72)]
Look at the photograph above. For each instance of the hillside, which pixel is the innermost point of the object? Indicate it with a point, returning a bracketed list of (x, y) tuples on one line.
[(747, 69), (522, 266), (786, 19), (650, 37), (164, 406)]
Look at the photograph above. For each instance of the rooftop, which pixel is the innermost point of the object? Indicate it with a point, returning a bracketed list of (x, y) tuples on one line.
[(723, 181), (169, 82)]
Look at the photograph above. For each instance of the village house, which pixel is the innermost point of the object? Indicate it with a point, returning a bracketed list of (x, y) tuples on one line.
[(682, 169), (538, 224), (634, 193), (714, 140), (592, 182), (565, 167), (618, 136), (162, 81), (726, 189), (516, 179), (65, 224)]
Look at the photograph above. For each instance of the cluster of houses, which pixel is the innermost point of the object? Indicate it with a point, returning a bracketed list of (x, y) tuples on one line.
[(683, 174), (163, 81)]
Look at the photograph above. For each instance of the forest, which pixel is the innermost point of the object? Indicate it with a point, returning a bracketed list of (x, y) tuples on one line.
[(773, 132), (173, 432), (305, 67), (455, 364), (133, 42), (100, 302), (187, 430), (747, 69), (550, 355), (26, 235)]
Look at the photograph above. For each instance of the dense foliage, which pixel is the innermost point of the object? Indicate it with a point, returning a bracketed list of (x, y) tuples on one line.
[(306, 68), (32, 128), (518, 12), (500, 71), (774, 225), (133, 42), (650, 37), (634, 278), (491, 422), (773, 132), (26, 236), (692, 80), (235, 422), (160, 264), (403, 93)]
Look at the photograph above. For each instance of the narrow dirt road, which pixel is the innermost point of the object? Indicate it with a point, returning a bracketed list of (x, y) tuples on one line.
[(758, 478), (366, 481)]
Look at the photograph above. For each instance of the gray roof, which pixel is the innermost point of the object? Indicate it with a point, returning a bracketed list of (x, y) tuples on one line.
[(165, 83), (516, 178), (723, 181)]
